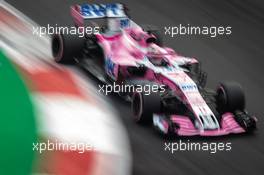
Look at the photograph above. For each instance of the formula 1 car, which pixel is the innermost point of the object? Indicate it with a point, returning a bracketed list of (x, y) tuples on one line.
[(125, 53)]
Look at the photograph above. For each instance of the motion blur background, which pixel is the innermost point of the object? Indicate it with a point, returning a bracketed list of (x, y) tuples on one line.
[(238, 57)]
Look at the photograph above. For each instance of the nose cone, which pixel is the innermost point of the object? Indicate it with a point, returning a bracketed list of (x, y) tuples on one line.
[(208, 122)]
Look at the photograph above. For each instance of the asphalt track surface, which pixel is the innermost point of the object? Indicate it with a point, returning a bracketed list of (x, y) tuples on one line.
[(238, 57)]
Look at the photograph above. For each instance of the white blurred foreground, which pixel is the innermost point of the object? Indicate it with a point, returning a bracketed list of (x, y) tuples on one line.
[(67, 107)]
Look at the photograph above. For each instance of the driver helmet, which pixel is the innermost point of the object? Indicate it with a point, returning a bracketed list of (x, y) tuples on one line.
[(156, 57)]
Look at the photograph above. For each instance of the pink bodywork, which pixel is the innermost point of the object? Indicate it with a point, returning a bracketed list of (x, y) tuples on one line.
[(129, 47), (125, 54)]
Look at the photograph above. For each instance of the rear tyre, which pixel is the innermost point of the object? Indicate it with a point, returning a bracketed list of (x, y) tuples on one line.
[(143, 106), (66, 47)]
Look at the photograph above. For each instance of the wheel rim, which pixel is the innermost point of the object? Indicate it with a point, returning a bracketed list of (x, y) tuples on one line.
[(221, 97)]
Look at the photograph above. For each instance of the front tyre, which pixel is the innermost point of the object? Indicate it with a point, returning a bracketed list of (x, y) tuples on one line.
[(230, 97), (143, 106)]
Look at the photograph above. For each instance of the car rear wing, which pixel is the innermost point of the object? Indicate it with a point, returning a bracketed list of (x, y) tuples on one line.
[(97, 11)]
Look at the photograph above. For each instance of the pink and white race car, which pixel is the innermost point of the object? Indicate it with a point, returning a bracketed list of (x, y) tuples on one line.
[(125, 53)]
